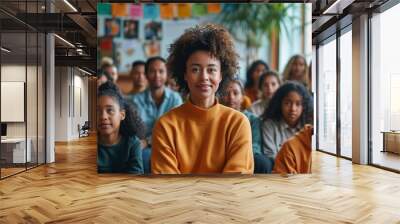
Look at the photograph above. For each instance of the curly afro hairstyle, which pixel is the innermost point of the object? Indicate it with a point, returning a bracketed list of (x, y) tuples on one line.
[(209, 37)]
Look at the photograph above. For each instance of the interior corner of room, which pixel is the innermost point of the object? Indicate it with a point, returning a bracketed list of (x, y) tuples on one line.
[(46, 80)]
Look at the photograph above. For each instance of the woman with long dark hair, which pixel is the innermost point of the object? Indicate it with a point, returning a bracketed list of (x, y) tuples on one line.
[(268, 84), (297, 70), (289, 110), (256, 69)]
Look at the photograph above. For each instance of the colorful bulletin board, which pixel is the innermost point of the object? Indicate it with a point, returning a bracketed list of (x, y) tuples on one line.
[(128, 32)]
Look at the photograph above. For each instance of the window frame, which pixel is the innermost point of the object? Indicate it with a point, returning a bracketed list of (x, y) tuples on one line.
[(346, 27)]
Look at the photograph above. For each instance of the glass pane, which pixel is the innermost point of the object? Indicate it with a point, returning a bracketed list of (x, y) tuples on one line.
[(386, 89), (31, 97), (13, 85), (41, 99), (314, 87), (21, 77), (31, 85), (346, 94), (327, 97)]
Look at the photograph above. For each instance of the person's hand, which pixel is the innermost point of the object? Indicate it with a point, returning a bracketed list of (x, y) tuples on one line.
[(143, 143)]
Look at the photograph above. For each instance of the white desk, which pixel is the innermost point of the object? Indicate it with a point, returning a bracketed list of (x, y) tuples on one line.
[(16, 147)]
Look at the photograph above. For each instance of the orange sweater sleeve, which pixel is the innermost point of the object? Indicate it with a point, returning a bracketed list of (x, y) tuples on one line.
[(246, 104), (239, 157), (295, 154), (285, 162), (163, 158)]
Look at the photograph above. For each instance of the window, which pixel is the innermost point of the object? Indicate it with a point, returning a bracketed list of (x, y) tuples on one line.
[(346, 94), (385, 88), (22, 74), (327, 96)]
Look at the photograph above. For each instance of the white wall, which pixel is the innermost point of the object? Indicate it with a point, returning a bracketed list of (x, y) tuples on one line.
[(33, 127), (12, 73), (71, 94), (61, 103)]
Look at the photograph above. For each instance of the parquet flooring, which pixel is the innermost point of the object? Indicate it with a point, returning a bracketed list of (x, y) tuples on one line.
[(71, 191), (9, 171)]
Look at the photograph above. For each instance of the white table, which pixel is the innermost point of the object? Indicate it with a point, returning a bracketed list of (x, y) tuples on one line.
[(17, 146)]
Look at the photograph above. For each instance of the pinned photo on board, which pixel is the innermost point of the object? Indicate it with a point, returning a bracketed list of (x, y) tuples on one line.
[(131, 29), (153, 30), (112, 27), (152, 48)]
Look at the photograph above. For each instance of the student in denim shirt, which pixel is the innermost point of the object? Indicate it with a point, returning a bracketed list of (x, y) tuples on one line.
[(154, 101)]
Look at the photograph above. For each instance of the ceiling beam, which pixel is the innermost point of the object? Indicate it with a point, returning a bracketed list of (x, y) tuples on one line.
[(81, 61)]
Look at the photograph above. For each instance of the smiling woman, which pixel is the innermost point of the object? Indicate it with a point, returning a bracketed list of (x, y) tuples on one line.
[(202, 136)]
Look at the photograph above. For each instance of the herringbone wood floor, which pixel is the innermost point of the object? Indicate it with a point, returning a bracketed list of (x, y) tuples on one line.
[(70, 191)]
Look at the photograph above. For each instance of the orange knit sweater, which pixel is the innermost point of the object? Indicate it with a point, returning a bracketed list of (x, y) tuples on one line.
[(190, 139), (295, 154)]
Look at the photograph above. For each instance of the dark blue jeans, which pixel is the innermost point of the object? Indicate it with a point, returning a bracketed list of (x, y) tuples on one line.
[(263, 164), (146, 155)]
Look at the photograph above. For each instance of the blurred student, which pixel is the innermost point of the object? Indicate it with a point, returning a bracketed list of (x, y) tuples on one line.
[(232, 96), (112, 71), (172, 84), (102, 77), (119, 127), (154, 101), (286, 114), (257, 68), (268, 84), (138, 76), (202, 136), (105, 61), (297, 70)]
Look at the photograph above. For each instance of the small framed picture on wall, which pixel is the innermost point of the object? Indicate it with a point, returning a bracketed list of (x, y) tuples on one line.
[(131, 29), (112, 27)]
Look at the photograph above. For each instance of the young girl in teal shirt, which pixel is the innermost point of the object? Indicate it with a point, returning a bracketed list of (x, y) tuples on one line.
[(119, 127)]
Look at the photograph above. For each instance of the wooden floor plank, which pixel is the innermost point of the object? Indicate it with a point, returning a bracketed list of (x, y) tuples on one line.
[(71, 191)]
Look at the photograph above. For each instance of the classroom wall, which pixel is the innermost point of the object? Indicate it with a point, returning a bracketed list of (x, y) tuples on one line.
[(125, 49), (71, 102)]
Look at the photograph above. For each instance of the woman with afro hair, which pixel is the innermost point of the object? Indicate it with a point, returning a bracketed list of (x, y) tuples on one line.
[(202, 136)]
